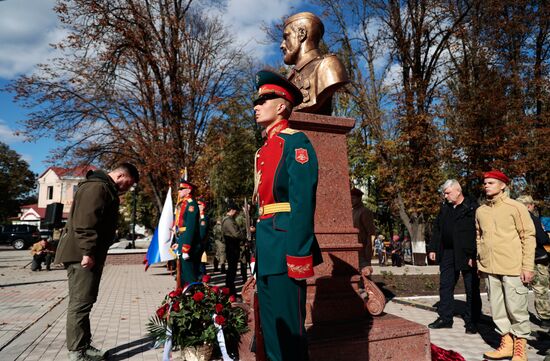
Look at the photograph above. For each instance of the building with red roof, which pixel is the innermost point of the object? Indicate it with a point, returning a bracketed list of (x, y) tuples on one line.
[(55, 185)]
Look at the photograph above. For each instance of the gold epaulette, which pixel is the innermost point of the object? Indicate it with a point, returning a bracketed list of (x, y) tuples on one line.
[(290, 131)]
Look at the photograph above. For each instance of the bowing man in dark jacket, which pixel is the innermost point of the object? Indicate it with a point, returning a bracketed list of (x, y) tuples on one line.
[(454, 246)]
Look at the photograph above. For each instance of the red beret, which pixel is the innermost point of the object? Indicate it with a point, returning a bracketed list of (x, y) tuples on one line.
[(496, 174)]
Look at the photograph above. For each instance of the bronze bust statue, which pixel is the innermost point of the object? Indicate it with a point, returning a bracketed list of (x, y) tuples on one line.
[(317, 76)]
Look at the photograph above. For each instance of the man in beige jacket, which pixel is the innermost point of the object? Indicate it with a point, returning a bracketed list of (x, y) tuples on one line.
[(506, 252)]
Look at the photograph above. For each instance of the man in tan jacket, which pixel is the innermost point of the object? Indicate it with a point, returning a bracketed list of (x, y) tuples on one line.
[(506, 252)]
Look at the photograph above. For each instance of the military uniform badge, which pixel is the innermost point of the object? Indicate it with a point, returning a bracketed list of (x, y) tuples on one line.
[(301, 155)]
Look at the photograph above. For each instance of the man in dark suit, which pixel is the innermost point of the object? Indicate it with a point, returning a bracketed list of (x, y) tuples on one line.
[(286, 248), (83, 247), (454, 245)]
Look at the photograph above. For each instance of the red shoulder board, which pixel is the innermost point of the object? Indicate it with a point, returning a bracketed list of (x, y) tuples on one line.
[(301, 155)]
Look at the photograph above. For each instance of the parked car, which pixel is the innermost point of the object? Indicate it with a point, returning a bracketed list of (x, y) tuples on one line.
[(20, 236)]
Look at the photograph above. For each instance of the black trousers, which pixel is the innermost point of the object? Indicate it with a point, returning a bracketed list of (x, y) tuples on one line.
[(37, 260), (232, 254), (449, 275)]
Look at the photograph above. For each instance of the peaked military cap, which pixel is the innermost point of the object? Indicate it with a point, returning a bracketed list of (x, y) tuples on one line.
[(271, 85), (184, 184)]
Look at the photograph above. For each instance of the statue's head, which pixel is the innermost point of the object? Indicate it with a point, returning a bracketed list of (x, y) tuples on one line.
[(302, 30)]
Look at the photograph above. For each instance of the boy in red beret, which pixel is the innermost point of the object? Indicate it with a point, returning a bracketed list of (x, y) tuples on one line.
[(506, 252)]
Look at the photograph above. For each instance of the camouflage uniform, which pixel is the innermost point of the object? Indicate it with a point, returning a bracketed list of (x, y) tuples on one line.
[(244, 258), (540, 285), (219, 244)]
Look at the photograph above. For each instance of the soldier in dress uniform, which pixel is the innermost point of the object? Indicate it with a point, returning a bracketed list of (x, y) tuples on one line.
[(187, 229), (286, 248)]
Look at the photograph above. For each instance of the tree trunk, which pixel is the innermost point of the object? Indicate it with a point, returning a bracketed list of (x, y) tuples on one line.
[(417, 228)]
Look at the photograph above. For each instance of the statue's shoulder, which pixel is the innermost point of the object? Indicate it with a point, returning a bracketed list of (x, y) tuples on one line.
[(333, 71), (331, 62)]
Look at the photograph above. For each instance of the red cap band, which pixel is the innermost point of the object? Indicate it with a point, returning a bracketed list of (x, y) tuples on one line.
[(275, 89), (185, 186)]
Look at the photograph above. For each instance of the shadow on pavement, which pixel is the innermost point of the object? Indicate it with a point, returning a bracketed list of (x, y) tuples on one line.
[(32, 283), (130, 349)]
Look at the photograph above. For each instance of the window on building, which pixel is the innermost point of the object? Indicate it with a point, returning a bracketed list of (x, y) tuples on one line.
[(50, 192)]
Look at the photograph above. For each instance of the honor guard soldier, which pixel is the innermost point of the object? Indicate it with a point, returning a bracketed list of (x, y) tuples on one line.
[(187, 229), (286, 248)]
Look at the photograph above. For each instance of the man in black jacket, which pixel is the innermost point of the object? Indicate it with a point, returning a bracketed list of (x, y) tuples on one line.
[(454, 245)]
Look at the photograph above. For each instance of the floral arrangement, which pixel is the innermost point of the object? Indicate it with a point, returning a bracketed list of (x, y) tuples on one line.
[(194, 315)]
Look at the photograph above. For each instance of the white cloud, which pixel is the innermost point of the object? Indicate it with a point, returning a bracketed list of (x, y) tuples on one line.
[(27, 27), (246, 17), (7, 135)]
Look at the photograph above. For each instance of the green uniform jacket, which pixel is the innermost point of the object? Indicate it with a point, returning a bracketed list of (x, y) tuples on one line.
[(287, 171), (92, 223), (189, 240)]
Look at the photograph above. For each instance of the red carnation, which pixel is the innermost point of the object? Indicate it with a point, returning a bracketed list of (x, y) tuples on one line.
[(225, 291), (220, 320), (206, 278), (176, 293), (161, 311), (232, 298), (199, 296), (176, 306), (219, 307), (215, 289)]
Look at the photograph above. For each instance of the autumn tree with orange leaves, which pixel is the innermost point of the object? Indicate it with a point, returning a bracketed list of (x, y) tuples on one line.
[(136, 81)]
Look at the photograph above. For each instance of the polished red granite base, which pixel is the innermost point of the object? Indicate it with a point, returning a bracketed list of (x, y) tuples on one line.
[(386, 337)]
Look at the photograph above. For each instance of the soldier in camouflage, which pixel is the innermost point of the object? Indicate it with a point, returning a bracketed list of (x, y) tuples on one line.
[(541, 281), (219, 246)]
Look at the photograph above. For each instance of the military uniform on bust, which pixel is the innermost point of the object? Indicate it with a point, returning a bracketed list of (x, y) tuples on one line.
[(317, 76), (187, 228), (286, 172)]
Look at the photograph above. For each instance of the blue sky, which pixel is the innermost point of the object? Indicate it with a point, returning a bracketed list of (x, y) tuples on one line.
[(27, 27)]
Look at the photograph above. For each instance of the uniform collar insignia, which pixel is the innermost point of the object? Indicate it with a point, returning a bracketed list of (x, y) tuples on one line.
[(277, 128)]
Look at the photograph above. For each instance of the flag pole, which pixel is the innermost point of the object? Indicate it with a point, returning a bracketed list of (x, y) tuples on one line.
[(178, 271)]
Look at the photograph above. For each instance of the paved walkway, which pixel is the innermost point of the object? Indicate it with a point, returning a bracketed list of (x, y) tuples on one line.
[(33, 304)]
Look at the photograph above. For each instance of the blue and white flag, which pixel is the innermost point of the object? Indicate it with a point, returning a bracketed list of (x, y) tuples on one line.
[(159, 249)]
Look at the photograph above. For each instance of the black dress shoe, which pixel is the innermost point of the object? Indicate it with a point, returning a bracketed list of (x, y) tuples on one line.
[(471, 328), (440, 323)]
